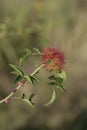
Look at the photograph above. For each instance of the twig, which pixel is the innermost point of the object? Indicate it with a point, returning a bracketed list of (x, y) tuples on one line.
[(20, 84)]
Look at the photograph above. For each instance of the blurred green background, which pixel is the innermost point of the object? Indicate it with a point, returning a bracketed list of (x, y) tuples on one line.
[(44, 23)]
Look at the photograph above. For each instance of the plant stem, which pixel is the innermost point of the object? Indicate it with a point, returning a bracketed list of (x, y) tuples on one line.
[(20, 84), (12, 93), (34, 72)]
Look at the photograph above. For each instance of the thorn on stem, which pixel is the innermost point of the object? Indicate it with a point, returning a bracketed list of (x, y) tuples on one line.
[(21, 83), (6, 101), (14, 90)]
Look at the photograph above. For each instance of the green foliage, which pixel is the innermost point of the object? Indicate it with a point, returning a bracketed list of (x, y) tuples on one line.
[(31, 79), (17, 70), (57, 80), (29, 101), (18, 79), (36, 51), (26, 53), (31, 97), (61, 87), (23, 96), (53, 98), (62, 74)]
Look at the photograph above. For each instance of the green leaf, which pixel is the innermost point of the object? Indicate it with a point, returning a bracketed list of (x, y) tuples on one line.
[(28, 102), (62, 74), (52, 100), (52, 83), (58, 80), (14, 72), (61, 87), (34, 79), (27, 50), (51, 77), (31, 97), (55, 80), (26, 54), (31, 79), (17, 70), (37, 51), (21, 60), (28, 79), (23, 96), (18, 78)]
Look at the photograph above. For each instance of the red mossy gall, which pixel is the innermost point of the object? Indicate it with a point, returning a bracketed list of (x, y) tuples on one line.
[(53, 59)]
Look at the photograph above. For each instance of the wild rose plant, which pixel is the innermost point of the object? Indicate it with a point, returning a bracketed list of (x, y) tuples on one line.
[(52, 60)]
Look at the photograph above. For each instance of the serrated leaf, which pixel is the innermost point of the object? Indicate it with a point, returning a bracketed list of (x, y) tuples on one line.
[(17, 70), (18, 78), (62, 74), (31, 97), (52, 100)]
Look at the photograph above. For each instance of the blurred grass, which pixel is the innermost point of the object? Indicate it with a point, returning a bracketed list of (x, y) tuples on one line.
[(38, 23)]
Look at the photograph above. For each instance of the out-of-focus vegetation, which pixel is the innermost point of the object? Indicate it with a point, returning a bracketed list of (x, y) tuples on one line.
[(43, 23)]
